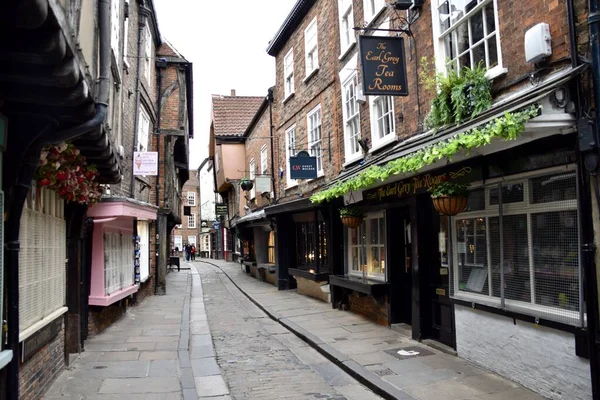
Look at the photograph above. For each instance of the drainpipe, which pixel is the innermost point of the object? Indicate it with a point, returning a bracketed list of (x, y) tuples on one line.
[(270, 99), (142, 14), (18, 193)]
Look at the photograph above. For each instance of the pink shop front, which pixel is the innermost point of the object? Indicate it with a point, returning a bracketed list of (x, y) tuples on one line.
[(119, 256)]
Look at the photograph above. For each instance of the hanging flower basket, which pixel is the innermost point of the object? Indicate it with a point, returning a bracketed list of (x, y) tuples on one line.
[(351, 216), (247, 184), (63, 169), (450, 198)]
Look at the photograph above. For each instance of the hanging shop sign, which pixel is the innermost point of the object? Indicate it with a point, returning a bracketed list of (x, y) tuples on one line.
[(221, 209), (145, 163), (421, 183), (383, 65), (303, 166), (263, 184)]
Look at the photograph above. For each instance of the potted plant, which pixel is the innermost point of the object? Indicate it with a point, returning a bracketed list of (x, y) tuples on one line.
[(450, 198), (247, 184), (352, 216)]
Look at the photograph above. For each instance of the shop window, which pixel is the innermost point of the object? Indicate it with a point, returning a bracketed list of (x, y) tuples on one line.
[(367, 249), (118, 262), (311, 245), (42, 272), (271, 248), (520, 251), (143, 231)]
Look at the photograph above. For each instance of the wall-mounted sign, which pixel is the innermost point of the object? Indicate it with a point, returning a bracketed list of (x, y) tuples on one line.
[(263, 184), (421, 183), (204, 224), (221, 209), (303, 166), (34, 342), (383, 65), (145, 163)]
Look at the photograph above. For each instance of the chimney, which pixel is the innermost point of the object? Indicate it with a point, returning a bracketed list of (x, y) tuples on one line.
[(233, 92)]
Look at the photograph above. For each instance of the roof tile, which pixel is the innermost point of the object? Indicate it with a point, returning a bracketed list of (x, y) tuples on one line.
[(233, 114)]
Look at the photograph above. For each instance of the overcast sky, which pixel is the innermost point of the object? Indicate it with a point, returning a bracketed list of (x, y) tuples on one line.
[(226, 41)]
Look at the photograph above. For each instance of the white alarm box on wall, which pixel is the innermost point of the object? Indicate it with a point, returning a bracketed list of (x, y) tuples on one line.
[(538, 43)]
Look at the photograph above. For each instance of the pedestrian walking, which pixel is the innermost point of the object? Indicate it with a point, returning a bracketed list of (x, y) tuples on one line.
[(193, 252), (187, 252)]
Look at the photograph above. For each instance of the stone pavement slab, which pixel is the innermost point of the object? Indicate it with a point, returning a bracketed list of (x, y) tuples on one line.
[(140, 357), (359, 346)]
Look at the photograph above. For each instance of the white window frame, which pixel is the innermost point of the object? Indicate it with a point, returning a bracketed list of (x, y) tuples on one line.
[(438, 42), (346, 21), (349, 76), (143, 138), (315, 136), (191, 198), (290, 151), (118, 264), (115, 27), (252, 168), (148, 56), (288, 74), (264, 160), (311, 49), (365, 247), (126, 37), (372, 9), (192, 241), (192, 221), (524, 207), (376, 119), (143, 231)]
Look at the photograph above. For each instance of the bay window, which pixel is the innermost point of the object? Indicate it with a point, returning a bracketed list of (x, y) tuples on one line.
[(118, 262), (467, 34), (367, 247), (517, 247), (311, 243)]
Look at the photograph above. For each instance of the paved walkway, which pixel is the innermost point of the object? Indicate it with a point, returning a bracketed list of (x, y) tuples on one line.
[(369, 352), (161, 349)]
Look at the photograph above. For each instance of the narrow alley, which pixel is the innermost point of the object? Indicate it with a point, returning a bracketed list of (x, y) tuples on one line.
[(220, 334)]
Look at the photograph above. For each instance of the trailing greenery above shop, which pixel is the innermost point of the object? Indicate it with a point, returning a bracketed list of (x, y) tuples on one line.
[(458, 97), (507, 127)]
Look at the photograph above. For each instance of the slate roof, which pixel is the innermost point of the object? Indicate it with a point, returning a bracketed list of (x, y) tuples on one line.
[(233, 114)]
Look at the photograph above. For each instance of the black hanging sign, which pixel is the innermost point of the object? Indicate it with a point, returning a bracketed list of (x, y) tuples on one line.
[(221, 209), (383, 65), (303, 166)]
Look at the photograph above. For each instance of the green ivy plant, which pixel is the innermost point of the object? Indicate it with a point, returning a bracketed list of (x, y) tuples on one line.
[(507, 127), (449, 189), (458, 96), (350, 211)]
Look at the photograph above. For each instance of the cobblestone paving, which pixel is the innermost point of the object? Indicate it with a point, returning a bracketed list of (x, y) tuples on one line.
[(259, 358)]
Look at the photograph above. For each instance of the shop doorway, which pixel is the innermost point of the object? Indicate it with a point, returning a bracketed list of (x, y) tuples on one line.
[(442, 313), (400, 265)]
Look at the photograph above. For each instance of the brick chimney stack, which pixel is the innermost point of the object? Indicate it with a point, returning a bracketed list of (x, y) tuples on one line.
[(233, 92)]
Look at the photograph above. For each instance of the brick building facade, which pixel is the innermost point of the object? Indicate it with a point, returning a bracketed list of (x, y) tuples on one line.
[(188, 231)]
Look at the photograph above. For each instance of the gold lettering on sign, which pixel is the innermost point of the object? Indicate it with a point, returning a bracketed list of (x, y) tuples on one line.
[(384, 58)]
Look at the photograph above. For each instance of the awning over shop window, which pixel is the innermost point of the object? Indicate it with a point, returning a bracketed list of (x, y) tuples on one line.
[(253, 216), (115, 207)]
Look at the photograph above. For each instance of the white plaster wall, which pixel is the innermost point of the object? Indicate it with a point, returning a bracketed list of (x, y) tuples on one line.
[(541, 359)]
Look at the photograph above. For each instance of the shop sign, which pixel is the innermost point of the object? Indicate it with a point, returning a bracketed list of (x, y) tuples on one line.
[(145, 163), (303, 166), (34, 342), (383, 65), (263, 184), (221, 209), (421, 183)]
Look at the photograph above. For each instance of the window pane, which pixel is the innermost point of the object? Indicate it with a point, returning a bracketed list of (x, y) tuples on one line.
[(517, 278), (476, 200), (479, 55), (511, 193), (471, 250), (381, 231), (373, 231), (555, 243), (492, 52), (490, 18), (476, 27), (551, 188)]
